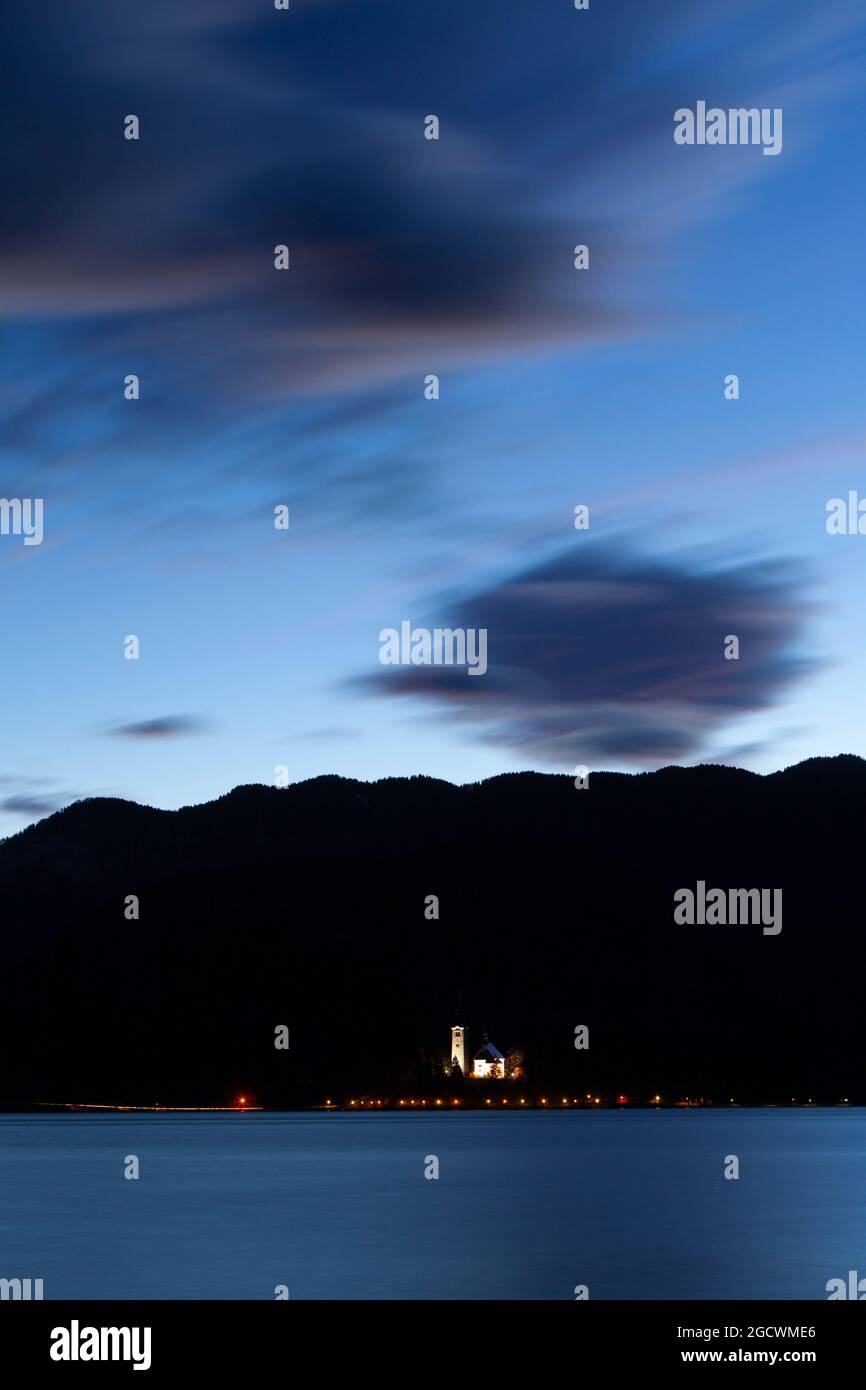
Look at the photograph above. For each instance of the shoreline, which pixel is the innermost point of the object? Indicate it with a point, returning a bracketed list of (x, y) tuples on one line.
[(415, 1107)]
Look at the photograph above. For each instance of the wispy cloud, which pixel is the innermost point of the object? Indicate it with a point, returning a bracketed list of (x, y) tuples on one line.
[(166, 726), (408, 256)]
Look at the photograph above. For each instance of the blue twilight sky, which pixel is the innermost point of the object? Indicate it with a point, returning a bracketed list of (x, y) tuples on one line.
[(410, 256)]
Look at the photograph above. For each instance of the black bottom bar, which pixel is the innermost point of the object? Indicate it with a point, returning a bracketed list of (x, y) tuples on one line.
[(219, 1340)]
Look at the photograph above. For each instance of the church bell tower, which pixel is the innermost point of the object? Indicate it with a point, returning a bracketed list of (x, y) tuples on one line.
[(458, 1038)]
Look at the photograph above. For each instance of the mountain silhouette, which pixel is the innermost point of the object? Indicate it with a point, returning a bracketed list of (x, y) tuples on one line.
[(305, 907)]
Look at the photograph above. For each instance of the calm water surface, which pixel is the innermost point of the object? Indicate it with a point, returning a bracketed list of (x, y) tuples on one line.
[(631, 1203)]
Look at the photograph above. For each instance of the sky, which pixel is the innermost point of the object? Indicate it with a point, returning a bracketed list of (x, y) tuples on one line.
[(305, 388)]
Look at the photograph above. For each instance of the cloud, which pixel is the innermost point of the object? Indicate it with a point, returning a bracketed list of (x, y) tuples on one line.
[(168, 726), (34, 806), (31, 798), (601, 653), (407, 255)]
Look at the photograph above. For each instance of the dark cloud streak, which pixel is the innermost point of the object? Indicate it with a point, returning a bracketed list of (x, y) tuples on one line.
[(167, 726)]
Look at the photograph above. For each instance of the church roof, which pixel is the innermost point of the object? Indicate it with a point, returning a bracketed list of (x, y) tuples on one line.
[(488, 1053)]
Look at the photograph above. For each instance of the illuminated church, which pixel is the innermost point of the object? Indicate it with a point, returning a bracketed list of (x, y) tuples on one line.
[(488, 1063)]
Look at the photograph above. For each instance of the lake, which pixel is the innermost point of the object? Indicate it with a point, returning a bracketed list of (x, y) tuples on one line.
[(632, 1204)]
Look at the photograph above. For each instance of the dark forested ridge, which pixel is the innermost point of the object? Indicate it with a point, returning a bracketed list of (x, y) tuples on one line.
[(305, 907)]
